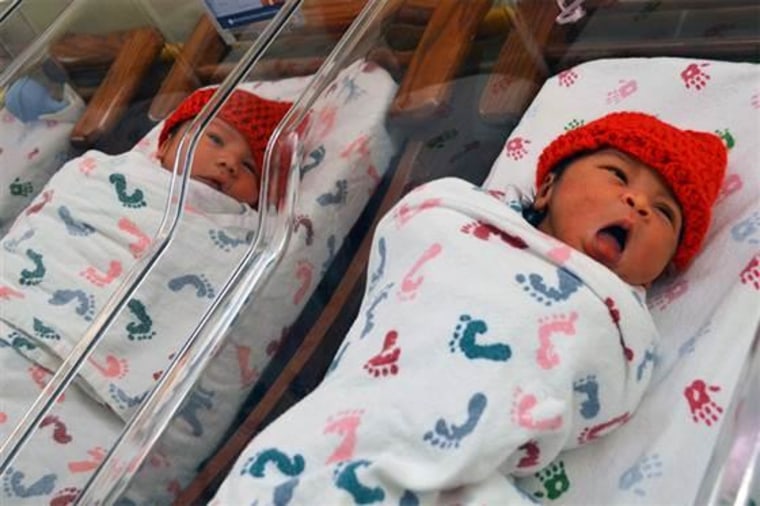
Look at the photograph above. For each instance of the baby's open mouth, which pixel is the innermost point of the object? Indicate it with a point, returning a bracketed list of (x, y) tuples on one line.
[(210, 182), (609, 243), (618, 233)]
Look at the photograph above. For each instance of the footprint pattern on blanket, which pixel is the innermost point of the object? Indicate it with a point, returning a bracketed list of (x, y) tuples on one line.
[(65, 497), (138, 247), (747, 230), (289, 467), (100, 278), (20, 342), (523, 407), (588, 387), (14, 484), (636, 477), (447, 434), (200, 398), (315, 158), (345, 476), (74, 226), (379, 271), (531, 454), (548, 327), (135, 199), (60, 431), (345, 424), (34, 276), (142, 329), (554, 480), (412, 281), (650, 357), (465, 339), (536, 286), (338, 357), (124, 400), (592, 433), (332, 250), (95, 457), (85, 303), (337, 197), (21, 188), (10, 245), (199, 282), (386, 361), (484, 231), (369, 314), (43, 331), (223, 241), (304, 221)]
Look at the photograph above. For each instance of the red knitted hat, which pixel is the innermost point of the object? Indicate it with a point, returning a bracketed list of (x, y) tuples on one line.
[(693, 164), (254, 117)]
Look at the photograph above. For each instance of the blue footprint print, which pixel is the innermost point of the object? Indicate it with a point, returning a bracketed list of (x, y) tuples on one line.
[(74, 226), (33, 277), (588, 387), (747, 230), (198, 281), (378, 274), (409, 499), (124, 400), (316, 156), (291, 467), (142, 329), (13, 484), (338, 197), (331, 251), (10, 245), (134, 200), (199, 399), (536, 286), (649, 357), (85, 306), (369, 314), (346, 479), (44, 331), (447, 435), (223, 241), (647, 467), (465, 335)]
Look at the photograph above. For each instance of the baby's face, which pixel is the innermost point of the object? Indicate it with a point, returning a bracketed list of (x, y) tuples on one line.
[(223, 160), (616, 210)]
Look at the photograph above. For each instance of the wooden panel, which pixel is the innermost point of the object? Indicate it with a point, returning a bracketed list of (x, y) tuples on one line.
[(77, 51), (426, 87), (520, 68), (119, 86), (203, 47)]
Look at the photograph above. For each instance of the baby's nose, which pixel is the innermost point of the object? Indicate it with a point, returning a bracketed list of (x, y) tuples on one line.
[(638, 201)]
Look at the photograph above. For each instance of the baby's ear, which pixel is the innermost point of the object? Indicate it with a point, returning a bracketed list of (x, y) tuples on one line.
[(544, 192)]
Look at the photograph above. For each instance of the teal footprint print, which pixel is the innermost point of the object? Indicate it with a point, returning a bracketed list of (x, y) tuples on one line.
[(85, 303), (20, 342), (73, 226), (346, 479), (409, 499), (134, 200), (44, 331), (141, 329), (33, 277), (124, 400), (13, 484), (465, 336), (223, 241), (447, 435), (536, 287), (337, 197), (316, 156), (197, 281), (291, 467)]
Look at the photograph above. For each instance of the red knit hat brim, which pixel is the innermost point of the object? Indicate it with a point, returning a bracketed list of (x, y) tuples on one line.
[(254, 117), (692, 163)]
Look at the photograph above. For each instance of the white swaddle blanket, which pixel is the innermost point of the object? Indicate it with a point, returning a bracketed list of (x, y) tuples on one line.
[(482, 349), (67, 252)]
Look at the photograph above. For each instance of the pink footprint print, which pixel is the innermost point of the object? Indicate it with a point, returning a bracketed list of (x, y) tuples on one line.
[(701, 405), (40, 377), (750, 275), (248, 375), (671, 294), (516, 148), (8, 293), (143, 240), (694, 76), (385, 362), (65, 496), (522, 413), (33, 153), (87, 165), (406, 212), (567, 78), (96, 454), (345, 425), (412, 282), (100, 278), (35, 208), (623, 91), (114, 367), (732, 184), (546, 356), (304, 274)]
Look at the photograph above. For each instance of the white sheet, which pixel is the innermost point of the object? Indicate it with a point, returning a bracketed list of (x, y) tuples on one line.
[(707, 316)]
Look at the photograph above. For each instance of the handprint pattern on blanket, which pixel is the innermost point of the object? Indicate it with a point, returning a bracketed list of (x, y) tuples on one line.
[(695, 76), (703, 407), (750, 275)]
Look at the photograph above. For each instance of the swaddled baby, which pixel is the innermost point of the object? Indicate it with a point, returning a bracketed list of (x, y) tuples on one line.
[(496, 330)]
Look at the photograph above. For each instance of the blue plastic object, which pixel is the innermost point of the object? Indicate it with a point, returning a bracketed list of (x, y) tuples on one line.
[(27, 99)]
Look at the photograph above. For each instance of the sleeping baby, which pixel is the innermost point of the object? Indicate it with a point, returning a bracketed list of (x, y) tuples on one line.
[(67, 252), (486, 321)]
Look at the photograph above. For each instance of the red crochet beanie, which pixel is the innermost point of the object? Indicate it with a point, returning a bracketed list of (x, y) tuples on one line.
[(254, 117), (693, 164)]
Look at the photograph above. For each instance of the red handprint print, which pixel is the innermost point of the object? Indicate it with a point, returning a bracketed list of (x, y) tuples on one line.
[(701, 404), (567, 78), (516, 148), (750, 275), (694, 76)]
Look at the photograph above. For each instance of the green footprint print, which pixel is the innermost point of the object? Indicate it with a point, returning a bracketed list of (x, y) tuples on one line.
[(573, 124), (554, 480), (135, 199), (142, 329), (45, 332), (20, 188), (33, 277)]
